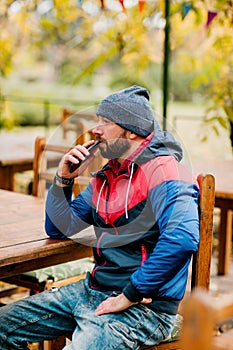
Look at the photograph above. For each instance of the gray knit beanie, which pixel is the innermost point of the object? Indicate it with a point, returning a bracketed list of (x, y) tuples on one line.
[(129, 108)]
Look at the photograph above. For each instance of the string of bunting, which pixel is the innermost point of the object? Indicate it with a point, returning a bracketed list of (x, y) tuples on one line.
[(211, 15), (186, 7), (141, 4), (102, 4)]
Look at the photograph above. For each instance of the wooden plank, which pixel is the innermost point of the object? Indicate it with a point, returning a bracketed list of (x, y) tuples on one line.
[(202, 259), (35, 250), (224, 200), (17, 161), (33, 261)]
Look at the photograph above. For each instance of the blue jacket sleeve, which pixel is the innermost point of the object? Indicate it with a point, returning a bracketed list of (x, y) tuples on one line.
[(65, 217), (164, 273)]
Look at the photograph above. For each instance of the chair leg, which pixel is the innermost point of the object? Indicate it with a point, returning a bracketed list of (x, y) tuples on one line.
[(37, 346), (55, 344), (41, 346)]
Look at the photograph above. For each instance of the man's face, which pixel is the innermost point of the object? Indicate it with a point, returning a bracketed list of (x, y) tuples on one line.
[(114, 141)]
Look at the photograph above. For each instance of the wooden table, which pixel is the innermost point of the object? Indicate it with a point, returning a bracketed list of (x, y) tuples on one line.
[(224, 201), (24, 246), (9, 167), (16, 155), (223, 172)]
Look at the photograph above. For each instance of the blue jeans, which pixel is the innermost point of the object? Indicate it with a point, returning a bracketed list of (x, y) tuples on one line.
[(71, 309)]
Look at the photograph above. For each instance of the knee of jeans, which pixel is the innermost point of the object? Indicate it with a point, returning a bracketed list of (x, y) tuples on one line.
[(8, 326), (9, 342), (4, 328), (3, 338), (122, 333)]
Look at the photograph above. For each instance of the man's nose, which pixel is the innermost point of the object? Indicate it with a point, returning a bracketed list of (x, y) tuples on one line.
[(97, 130)]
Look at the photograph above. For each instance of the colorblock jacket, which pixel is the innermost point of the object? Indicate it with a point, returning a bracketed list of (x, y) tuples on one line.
[(144, 213)]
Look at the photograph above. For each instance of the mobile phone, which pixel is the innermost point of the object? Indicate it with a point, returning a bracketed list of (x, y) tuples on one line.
[(91, 149)]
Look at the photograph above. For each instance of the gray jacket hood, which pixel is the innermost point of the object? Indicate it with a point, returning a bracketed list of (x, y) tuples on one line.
[(162, 144)]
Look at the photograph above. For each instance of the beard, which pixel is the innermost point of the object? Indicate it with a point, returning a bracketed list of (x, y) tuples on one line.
[(115, 148)]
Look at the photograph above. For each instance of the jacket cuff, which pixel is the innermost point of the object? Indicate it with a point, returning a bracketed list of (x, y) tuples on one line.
[(132, 293), (59, 191)]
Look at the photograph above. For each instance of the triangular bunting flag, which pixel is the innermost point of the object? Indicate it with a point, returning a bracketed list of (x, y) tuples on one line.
[(102, 4), (211, 16), (141, 4), (185, 9), (122, 4)]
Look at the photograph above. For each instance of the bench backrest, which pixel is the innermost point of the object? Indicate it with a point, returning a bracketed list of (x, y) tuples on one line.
[(202, 259), (76, 122)]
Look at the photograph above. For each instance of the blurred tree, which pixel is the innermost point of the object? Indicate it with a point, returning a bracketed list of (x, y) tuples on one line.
[(87, 35), (217, 63), (207, 49)]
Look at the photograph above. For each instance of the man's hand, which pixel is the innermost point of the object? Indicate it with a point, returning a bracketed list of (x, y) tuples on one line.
[(117, 304), (75, 155)]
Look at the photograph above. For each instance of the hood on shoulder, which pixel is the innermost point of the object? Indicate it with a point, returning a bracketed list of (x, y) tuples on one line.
[(162, 143)]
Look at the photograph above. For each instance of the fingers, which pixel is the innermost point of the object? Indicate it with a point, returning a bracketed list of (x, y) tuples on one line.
[(79, 152), (107, 306), (76, 155), (117, 304), (113, 304), (146, 301)]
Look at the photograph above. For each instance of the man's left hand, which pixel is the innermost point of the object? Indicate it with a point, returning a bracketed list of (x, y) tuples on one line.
[(117, 304)]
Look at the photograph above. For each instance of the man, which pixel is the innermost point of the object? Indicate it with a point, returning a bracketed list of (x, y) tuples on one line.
[(143, 207)]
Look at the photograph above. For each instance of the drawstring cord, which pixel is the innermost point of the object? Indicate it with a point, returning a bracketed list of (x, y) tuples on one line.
[(98, 201), (127, 192)]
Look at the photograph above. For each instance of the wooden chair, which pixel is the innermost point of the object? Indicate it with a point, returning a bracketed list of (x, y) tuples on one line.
[(208, 322), (73, 121), (46, 159), (200, 273)]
